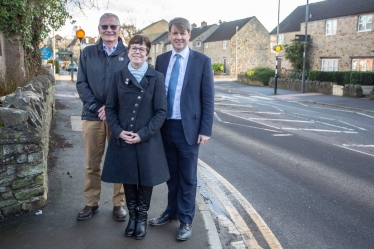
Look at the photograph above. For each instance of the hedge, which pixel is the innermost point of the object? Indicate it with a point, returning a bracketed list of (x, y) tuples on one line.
[(262, 74), (343, 78)]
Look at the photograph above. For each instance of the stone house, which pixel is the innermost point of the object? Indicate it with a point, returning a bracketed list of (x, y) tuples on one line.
[(198, 35), (342, 34), (239, 45)]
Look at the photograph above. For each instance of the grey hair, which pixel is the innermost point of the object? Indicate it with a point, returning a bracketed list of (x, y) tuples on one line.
[(181, 23), (107, 15)]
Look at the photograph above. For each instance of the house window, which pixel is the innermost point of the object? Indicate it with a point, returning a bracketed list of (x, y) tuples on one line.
[(198, 44), (329, 65), (153, 49), (331, 27), (362, 65), (280, 38), (224, 44), (156, 48), (365, 23), (206, 45)]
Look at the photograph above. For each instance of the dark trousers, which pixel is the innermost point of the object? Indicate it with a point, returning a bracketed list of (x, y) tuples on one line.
[(182, 161)]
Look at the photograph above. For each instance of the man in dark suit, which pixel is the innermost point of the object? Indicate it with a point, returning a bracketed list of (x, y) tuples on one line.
[(190, 93)]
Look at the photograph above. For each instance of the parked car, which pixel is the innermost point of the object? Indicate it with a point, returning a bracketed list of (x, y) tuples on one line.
[(70, 67)]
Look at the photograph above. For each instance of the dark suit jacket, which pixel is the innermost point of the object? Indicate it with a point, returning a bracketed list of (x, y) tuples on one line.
[(197, 97)]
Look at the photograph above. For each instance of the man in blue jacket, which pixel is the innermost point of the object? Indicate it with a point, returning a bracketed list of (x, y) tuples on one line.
[(190, 95), (97, 64)]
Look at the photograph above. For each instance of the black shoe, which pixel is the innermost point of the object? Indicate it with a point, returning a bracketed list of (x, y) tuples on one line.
[(87, 212), (119, 213), (162, 219), (184, 232)]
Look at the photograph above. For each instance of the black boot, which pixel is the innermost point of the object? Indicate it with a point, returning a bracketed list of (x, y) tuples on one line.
[(144, 200), (131, 194)]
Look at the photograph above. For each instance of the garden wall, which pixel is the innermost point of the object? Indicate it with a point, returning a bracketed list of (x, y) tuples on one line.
[(25, 118)]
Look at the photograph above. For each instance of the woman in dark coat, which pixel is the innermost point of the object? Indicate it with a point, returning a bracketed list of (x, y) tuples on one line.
[(135, 111)]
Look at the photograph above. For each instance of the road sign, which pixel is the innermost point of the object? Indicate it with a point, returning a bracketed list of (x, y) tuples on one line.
[(46, 53)]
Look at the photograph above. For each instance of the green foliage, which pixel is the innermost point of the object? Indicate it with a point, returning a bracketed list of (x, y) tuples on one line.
[(57, 66), (217, 67), (362, 78), (262, 74), (296, 74), (294, 54), (343, 78), (32, 20)]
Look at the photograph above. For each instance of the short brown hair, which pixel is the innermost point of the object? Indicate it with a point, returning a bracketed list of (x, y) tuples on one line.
[(140, 39), (181, 23)]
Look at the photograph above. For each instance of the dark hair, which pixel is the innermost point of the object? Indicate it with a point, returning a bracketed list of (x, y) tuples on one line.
[(140, 39), (181, 23), (107, 15)]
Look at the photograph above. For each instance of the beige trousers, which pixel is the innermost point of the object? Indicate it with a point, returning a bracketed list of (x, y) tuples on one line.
[(94, 135)]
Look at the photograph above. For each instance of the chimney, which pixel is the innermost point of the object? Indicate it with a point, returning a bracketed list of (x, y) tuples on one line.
[(193, 26), (203, 24)]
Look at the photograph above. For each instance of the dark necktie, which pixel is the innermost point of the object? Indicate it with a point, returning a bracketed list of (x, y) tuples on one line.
[(173, 82)]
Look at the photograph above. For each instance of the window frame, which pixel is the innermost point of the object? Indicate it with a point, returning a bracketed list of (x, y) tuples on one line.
[(198, 44), (334, 66), (224, 44), (206, 44), (367, 67), (365, 22), (334, 27)]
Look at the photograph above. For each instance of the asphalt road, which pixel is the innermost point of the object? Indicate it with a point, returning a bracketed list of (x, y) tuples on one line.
[(306, 169)]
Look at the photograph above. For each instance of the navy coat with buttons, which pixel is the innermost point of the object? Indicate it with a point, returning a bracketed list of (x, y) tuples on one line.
[(140, 108)]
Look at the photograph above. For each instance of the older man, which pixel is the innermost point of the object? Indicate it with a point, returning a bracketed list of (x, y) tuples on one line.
[(97, 64)]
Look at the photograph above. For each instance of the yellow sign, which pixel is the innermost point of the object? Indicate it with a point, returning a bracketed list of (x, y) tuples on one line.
[(277, 48)]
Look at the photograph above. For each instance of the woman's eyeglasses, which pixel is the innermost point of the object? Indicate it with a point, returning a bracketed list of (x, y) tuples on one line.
[(141, 50), (112, 27)]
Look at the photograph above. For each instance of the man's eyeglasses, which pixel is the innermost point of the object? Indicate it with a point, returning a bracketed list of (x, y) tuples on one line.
[(141, 50), (112, 27)]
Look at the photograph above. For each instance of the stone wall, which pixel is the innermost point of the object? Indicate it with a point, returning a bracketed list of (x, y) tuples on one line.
[(349, 90), (310, 86), (25, 118)]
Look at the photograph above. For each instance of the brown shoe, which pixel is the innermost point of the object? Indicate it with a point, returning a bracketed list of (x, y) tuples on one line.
[(119, 213), (87, 212)]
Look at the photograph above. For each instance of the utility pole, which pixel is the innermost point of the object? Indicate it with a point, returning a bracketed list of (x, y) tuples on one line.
[(54, 52), (305, 41), (236, 52), (276, 56)]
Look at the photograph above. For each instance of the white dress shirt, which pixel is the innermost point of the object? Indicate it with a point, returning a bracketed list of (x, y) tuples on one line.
[(183, 60)]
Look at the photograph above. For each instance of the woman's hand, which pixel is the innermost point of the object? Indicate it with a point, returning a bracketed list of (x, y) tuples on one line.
[(130, 137)]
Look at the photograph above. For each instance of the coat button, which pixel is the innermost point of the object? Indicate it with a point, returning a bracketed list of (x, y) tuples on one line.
[(131, 125), (139, 97), (136, 104), (133, 111), (132, 118), (142, 91)]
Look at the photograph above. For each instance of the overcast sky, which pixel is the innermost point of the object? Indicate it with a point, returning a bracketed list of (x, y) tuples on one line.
[(141, 13)]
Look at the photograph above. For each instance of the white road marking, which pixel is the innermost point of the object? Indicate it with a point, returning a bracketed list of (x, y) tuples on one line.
[(240, 224), (326, 118), (365, 115), (257, 219), (303, 129), (282, 135), (282, 120), (354, 150), (334, 125), (359, 145), (352, 125)]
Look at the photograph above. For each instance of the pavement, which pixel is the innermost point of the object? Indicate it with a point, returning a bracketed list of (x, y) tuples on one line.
[(56, 226)]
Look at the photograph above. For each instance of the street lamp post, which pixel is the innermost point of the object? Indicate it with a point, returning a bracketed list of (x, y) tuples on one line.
[(305, 41), (80, 35)]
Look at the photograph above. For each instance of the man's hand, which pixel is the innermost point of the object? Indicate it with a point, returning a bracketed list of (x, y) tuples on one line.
[(202, 139), (101, 112)]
